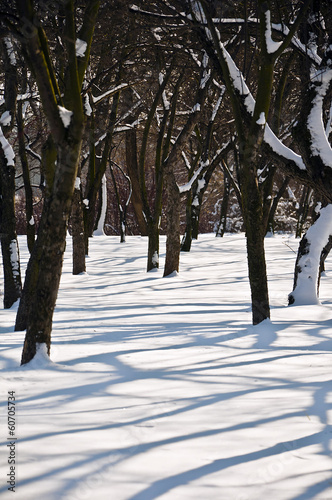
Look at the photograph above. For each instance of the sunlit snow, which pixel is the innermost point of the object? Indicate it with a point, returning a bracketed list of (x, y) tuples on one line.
[(161, 388)]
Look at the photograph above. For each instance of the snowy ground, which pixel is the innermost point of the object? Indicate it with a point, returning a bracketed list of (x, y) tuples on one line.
[(159, 388)]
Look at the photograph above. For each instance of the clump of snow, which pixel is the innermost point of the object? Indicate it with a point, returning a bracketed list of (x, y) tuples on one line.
[(65, 115), (77, 183), (155, 258), (271, 46), (261, 120), (7, 149), (10, 50), (87, 107), (200, 184), (41, 359), (80, 47), (14, 257), (5, 118), (100, 228), (32, 221)]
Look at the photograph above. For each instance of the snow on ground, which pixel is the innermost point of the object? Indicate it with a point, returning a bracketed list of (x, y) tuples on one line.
[(159, 388)]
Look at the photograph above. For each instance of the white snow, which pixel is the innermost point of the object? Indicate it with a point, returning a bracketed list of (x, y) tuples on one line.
[(87, 107), (41, 359), (320, 145), (261, 120), (109, 93), (101, 223), (186, 187), (32, 221), (197, 107), (205, 79), (280, 148), (218, 103), (161, 388), (80, 47), (271, 46), (155, 258), (14, 257), (7, 149), (5, 118), (10, 50), (65, 115), (77, 183)]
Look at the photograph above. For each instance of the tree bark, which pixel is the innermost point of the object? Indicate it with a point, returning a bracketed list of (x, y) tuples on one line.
[(153, 245), (187, 237), (173, 225), (9, 244), (133, 171), (66, 124), (77, 228), (224, 207), (26, 179)]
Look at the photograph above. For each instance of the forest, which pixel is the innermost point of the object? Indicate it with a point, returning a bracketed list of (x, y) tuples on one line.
[(165, 117)]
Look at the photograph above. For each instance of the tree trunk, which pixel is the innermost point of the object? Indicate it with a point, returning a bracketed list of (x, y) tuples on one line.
[(132, 167), (153, 245), (271, 215), (173, 225), (51, 244), (307, 265), (102, 209), (9, 244), (325, 252), (26, 179), (303, 210), (187, 237), (221, 229), (77, 228), (255, 231)]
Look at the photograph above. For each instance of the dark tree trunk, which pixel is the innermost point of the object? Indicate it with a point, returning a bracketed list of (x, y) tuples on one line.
[(9, 245), (303, 211), (26, 179), (153, 245), (187, 237), (8, 236), (323, 256), (48, 251), (133, 171), (252, 210), (77, 228), (271, 215), (224, 208), (47, 256), (173, 225)]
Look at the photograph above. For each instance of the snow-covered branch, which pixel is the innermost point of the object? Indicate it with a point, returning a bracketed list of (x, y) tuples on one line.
[(110, 92), (320, 145)]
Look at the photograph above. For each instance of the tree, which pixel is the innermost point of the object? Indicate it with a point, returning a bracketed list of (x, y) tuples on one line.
[(65, 117), (9, 244), (250, 121)]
